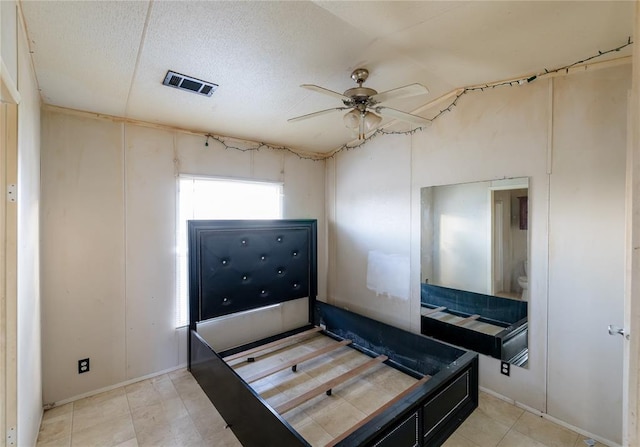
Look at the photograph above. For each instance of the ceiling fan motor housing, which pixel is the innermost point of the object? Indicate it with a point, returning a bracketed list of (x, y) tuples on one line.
[(359, 95)]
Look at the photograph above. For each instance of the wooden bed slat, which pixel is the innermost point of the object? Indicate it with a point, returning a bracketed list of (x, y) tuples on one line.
[(282, 341), (294, 362), (467, 320), (328, 385), (379, 411), (434, 311)]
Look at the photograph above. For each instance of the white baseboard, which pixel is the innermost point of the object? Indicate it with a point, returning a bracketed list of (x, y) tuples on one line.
[(496, 395), (111, 387), (549, 418)]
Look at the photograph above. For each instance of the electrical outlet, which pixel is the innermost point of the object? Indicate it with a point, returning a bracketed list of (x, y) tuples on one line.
[(83, 366), (505, 368)]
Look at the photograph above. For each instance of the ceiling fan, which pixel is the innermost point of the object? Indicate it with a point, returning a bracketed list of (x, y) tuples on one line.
[(363, 102)]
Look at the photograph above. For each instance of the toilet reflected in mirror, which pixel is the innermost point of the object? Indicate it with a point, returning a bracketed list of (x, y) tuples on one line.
[(523, 281)]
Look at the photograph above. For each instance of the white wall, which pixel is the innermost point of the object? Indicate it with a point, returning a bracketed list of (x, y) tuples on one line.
[(484, 138), (586, 250), (370, 211), (9, 37), (491, 135), (108, 241), (374, 195), (461, 226)]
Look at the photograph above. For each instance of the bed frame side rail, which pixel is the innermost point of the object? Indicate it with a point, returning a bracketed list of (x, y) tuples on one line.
[(252, 420), (427, 416)]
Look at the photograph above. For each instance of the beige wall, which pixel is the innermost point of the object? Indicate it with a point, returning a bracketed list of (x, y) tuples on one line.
[(587, 250), (370, 211), (374, 204), (108, 241), (9, 37)]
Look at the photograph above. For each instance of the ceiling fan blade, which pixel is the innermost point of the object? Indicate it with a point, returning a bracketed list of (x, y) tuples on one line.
[(325, 91), (314, 114), (403, 116), (401, 92)]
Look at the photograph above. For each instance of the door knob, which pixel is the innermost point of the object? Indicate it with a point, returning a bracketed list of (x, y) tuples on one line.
[(614, 330)]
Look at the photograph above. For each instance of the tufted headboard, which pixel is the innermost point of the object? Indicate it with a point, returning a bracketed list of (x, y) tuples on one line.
[(239, 265)]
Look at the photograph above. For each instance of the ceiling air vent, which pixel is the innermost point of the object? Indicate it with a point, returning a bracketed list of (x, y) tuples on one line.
[(182, 82)]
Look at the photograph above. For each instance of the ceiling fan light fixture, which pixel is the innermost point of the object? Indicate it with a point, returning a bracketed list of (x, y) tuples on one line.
[(371, 121), (352, 119)]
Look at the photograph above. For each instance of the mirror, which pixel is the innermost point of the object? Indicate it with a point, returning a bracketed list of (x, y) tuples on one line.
[(474, 266)]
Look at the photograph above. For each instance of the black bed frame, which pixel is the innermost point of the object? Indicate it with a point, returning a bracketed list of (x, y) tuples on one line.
[(509, 345), (241, 265)]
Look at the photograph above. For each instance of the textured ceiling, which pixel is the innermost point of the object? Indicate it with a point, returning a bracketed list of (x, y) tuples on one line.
[(111, 57)]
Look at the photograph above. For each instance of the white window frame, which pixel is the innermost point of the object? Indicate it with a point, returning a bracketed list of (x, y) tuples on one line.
[(181, 274)]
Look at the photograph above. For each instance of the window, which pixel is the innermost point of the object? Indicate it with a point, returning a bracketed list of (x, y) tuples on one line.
[(216, 198)]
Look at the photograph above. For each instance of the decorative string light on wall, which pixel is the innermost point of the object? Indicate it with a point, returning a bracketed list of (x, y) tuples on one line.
[(221, 140), (454, 102)]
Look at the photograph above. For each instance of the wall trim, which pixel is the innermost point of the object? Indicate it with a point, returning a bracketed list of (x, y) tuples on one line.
[(166, 127), (49, 406)]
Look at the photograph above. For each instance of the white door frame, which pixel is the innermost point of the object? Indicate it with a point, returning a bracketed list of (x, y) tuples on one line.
[(631, 340), (9, 99)]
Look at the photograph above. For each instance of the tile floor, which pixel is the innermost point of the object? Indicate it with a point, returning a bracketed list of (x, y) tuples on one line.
[(498, 423), (172, 410)]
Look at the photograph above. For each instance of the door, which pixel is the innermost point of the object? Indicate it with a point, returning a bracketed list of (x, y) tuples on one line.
[(499, 249)]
